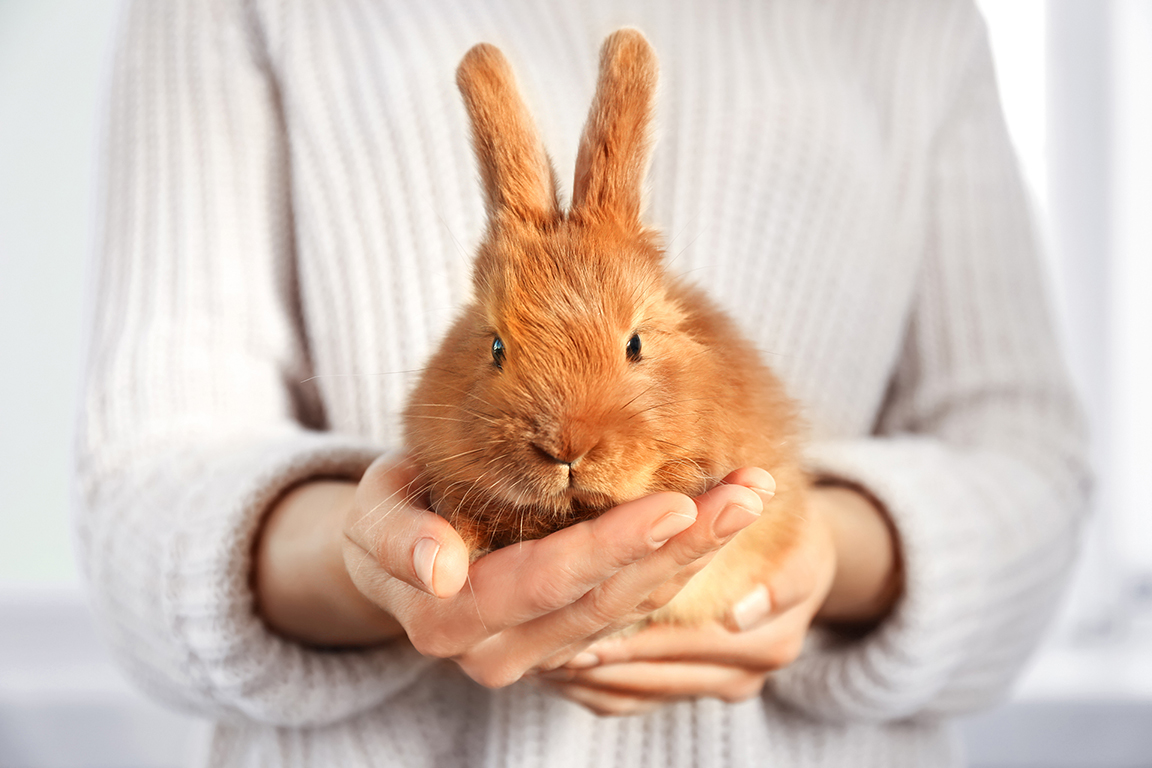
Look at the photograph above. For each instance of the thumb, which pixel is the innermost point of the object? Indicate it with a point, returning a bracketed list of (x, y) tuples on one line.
[(405, 540)]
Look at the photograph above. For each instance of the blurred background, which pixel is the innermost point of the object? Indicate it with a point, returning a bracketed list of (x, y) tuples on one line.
[(1076, 81)]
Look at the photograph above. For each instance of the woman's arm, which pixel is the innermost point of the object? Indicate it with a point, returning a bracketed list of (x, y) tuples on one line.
[(868, 572), (977, 461), (197, 414), (979, 456), (303, 589)]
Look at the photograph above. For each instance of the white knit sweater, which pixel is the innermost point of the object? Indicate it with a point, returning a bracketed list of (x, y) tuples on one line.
[(290, 205)]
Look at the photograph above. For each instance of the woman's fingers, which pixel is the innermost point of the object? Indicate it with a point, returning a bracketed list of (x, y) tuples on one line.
[(389, 533), (505, 588), (722, 513), (726, 523), (769, 647), (608, 566), (628, 689), (608, 703), (626, 596), (528, 580), (673, 680), (519, 591)]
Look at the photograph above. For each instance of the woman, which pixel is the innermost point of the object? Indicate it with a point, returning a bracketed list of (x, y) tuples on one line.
[(288, 187)]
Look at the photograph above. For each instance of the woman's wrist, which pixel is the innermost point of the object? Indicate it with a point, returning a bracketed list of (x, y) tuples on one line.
[(868, 578), (303, 589)]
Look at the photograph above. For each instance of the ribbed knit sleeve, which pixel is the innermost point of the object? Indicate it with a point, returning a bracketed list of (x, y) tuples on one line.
[(979, 453), (195, 410)]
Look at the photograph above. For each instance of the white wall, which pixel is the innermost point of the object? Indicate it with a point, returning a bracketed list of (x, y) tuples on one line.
[(52, 57)]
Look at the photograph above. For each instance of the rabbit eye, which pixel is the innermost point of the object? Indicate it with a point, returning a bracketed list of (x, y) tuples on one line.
[(634, 348), (498, 352)]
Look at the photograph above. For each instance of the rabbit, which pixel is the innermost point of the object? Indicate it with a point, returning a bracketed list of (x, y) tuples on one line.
[(582, 375)]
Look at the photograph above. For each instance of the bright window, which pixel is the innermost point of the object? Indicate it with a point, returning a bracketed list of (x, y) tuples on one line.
[(1076, 83)]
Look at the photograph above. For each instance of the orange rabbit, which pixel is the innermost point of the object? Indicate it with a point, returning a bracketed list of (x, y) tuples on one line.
[(582, 375)]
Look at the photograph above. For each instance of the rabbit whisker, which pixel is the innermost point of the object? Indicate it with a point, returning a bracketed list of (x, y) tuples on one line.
[(354, 375), (455, 456), (637, 397), (481, 414), (476, 601), (667, 405), (452, 235)]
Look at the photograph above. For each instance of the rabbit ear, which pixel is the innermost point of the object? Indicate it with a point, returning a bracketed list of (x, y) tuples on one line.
[(615, 148), (514, 167)]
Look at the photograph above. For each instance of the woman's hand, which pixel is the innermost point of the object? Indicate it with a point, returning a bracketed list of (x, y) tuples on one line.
[(529, 607), (845, 570), (664, 663)]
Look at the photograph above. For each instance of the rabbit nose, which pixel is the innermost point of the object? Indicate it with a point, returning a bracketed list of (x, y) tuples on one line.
[(559, 455)]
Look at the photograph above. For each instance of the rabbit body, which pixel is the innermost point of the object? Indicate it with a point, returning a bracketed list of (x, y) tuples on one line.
[(582, 375)]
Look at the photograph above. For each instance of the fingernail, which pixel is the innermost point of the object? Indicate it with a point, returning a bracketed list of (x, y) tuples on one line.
[(752, 609), (732, 519), (583, 660), (670, 525), (762, 482), (424, 561)]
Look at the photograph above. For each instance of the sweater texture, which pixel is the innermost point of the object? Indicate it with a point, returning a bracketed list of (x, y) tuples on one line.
[(290, 204)]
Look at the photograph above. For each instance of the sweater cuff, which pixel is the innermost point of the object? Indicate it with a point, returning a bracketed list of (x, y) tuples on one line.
[(212, 651), (980, 583)]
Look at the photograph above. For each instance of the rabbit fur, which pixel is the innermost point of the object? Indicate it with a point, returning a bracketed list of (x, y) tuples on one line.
[(582, 375)]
